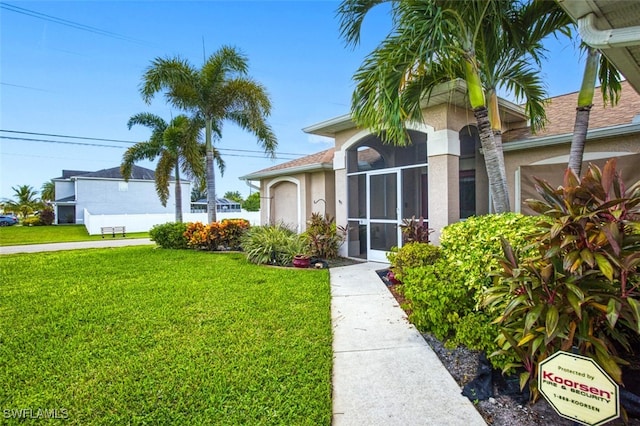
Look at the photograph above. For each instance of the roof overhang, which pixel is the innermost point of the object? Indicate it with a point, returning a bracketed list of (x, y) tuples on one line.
[(595, 134), (611, 26), (307, 168), (453, 92)]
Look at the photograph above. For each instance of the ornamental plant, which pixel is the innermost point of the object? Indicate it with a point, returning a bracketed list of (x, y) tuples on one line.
[(415, 230), (580, 290), (225, 235), (169, 235), (445, 291), (324, 236), (272, 245)]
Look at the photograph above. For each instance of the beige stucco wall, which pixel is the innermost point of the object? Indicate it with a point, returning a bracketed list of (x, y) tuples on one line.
[(281, 201), (515, 159)]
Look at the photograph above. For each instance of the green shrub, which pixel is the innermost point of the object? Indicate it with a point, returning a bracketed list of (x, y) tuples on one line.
[(411, 255), (32, 221), (581, 289), (169, 235), (324, 236), (443, 294), (272, 245)]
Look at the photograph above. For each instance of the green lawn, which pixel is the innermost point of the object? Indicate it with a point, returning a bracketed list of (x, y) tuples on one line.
[(20, 235), (138, 335)]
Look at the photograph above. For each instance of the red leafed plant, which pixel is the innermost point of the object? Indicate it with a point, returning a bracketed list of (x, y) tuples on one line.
[(581, 290)]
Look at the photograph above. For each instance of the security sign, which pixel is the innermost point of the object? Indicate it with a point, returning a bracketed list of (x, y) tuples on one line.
[(578, 389)]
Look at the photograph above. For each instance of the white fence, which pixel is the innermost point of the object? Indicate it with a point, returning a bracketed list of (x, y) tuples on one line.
[(144, 222)]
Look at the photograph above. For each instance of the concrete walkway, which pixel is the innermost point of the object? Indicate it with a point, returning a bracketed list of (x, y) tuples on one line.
[(107, 242), (384, 372)]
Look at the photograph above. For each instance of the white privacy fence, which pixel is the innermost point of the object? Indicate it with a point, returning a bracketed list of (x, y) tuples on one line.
[(144, 222)]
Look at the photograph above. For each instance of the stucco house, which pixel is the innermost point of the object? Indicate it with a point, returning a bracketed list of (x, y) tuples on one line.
[(371, 187), (105, 192)]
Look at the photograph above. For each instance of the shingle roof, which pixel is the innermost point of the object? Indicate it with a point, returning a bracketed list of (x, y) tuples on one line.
[(561, 112), (319, 159)]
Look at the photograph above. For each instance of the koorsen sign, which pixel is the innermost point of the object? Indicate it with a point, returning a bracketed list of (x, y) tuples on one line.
[(578, 388)]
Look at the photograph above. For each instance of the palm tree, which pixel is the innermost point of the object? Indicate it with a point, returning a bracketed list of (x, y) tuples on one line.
[(219, 91), (610, 85), (178, 147), (48, 192), (26, 200), (432, 42)]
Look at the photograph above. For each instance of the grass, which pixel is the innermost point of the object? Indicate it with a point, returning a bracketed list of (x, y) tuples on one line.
[(21, 235), (138, 335)]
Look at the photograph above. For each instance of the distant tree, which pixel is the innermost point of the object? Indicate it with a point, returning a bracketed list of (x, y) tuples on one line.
[(234, 196), (219, 91), (48, 192), (252, 203), (26, 201), (178, 147), (198, 193)]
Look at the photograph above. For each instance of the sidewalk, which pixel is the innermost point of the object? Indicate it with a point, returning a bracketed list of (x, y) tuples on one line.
[(107, 242), (384, 372)]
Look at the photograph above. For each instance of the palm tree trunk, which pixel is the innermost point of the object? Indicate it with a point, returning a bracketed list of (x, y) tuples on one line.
[(579, 139), (178, 194), (211, 176), (497, 185), (583, 111), (493, 157), (496, 128)]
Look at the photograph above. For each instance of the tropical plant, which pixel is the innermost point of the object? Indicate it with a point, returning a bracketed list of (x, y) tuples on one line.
[(324, 236), (170, 235), (272, 245), (415, 230), (176, 144), (234, 196), (47, 216), (198, 193), (581, 291), (26, 201), (610, 87), (48, 191), (490, 44), (225, 235), (252, 203), (219, 91)]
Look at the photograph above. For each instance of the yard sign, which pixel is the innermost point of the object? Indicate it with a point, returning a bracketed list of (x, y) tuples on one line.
[(578, 389)]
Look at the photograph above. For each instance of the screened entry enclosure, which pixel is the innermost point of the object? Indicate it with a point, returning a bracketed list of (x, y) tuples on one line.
[(386, 184)]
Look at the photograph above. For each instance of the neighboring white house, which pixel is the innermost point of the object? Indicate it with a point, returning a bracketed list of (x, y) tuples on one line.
[(105, 192)]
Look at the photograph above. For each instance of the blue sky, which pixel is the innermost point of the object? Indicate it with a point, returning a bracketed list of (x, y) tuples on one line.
[(81, 76)]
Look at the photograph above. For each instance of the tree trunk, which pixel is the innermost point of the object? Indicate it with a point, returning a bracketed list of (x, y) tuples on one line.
[(579, 138), (583, 110), (178, 195), (211, 176), (497, 178)]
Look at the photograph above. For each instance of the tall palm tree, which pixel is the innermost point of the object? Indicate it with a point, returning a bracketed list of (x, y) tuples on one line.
[(610, 86), (178, 147), (26, 200), (219, 91), (48, 192), (482, 42)]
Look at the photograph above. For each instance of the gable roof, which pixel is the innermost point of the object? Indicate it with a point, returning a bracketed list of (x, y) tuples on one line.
[(322, 160)]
